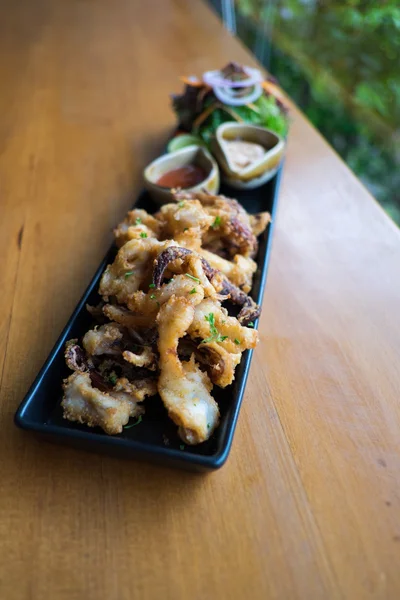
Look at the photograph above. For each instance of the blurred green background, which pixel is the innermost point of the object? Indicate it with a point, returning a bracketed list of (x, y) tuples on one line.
[(340, 62)]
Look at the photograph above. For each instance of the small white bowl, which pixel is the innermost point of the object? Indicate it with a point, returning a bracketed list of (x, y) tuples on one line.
[(258, 172), (191, 155)]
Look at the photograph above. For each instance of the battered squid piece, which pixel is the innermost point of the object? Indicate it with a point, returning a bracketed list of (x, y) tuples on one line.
[(150, 303), (138, 389), (131, 268), (136, 223), (146, 358), (210, 279), (239, 271), (113, 339), (75, 357), (198, 268), (78, 361), (259, 222), (204, 197), (86, 404), (185, 222), (90, 398), (250, 311), (164, 259), (127, 318), (103, 340), (239, 237), (212, 323), (219, 363), (231, 223), (183, 387)]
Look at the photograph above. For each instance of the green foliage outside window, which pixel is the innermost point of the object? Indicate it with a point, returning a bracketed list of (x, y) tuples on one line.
[(340, 61)]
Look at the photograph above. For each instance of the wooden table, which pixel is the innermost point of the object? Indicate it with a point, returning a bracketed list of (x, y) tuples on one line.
[(308, 504)]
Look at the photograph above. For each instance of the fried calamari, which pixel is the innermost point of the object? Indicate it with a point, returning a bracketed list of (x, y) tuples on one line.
[(164, 324)]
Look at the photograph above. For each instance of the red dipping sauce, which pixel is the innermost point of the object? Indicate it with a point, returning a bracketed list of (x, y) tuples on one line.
[(184, 177)]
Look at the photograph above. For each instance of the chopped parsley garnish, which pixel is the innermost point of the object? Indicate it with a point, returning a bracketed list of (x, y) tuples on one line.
[(217, 222), (236, 341), (181, 204), (138, 221), (143, 234), (112, 378), (182, 447), (186, 228), (153, 297), (250, 324), (208, 425), (152, 285), (134, 424), (196, 279), (171, 280), (215, 335), (128, 274), (193, 291)]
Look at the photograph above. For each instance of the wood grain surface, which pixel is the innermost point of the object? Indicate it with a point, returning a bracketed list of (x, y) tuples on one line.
[(308, 505)]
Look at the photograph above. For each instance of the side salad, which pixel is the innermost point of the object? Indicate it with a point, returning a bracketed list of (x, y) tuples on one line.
[(235, 93)]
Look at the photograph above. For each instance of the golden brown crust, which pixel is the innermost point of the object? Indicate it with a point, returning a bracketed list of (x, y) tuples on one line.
[(136, 224)]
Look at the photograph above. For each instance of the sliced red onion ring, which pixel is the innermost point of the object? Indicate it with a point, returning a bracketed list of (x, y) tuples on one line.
[(216, 79), (224, 96)]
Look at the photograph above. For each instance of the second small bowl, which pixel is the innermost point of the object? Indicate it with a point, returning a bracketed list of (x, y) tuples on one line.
[(191, 155), (258, 171)]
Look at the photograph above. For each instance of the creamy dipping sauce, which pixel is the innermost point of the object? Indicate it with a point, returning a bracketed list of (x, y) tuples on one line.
[(183, 177), (242, 154)]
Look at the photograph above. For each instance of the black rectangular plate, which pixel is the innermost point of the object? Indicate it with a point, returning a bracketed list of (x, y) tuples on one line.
[(155, 438)]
